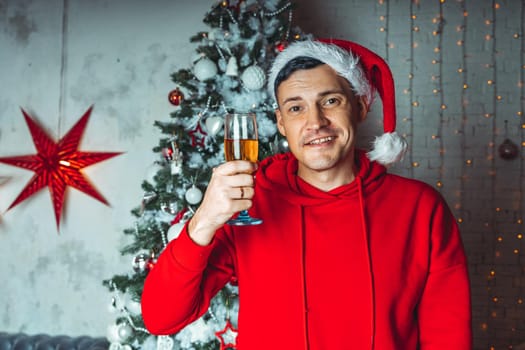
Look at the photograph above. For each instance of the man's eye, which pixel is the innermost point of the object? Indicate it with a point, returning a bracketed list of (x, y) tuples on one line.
[(294, 109), (331, 101)]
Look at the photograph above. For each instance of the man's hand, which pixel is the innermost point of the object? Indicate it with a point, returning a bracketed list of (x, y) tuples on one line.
[(229, 191)]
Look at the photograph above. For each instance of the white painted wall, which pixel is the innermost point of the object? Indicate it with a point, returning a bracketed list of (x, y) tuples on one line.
[(118, 57)]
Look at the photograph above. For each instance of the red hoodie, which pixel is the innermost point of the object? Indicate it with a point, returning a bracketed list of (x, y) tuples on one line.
[(375, 264)]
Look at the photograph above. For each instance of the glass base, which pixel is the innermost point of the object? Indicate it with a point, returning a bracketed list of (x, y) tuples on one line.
[(244, 220)]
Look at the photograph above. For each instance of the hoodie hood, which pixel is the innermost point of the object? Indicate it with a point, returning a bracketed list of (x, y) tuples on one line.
[(278, 173)]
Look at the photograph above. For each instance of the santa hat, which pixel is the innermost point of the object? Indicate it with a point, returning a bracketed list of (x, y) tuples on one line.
[(366, 72)]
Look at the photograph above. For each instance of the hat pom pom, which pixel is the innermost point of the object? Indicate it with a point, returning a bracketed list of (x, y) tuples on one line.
[(388, 148)]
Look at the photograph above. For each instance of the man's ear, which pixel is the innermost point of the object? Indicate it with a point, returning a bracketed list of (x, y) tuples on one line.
[(362, 108), (280, 125)]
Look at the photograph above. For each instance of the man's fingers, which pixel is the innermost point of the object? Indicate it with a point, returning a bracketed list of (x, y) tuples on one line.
[(242, 192), (235, 167), (245, 180)]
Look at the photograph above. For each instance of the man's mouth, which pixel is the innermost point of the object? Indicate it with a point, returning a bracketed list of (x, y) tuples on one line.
[(320, 140)]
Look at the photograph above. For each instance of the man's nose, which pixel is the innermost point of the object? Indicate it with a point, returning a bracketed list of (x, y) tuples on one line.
[(316, 118)]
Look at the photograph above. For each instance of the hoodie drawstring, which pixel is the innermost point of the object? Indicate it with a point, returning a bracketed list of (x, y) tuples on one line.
[(359, 181), (364, 230), (303, 281)]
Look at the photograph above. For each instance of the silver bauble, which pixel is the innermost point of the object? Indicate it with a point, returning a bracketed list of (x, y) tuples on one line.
[(283, 145), (205, 69), (193, 195), (125, 331), (253, 78), (214, 125), (134, 307), (112, 333), (139, 262)]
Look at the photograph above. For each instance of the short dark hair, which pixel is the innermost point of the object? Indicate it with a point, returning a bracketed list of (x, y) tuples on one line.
[(295, 64)]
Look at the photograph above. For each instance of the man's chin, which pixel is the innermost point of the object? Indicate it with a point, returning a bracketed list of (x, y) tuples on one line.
[(319, 163)]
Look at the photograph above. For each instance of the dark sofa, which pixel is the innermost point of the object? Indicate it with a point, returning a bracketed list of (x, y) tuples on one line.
[(21, 341)]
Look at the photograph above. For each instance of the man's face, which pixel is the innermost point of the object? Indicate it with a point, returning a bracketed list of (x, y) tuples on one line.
[(318, 114)]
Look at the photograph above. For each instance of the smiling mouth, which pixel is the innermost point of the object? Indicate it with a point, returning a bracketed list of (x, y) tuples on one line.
[(320, 141)]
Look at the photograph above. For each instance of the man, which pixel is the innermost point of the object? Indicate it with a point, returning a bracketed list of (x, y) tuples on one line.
[(348, 256)]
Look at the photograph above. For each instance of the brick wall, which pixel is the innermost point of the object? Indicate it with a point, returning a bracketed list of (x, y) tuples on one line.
[(459, 72)]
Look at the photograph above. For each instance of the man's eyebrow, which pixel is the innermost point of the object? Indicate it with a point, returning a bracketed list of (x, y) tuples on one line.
[(330, 92), (292, 99), (321, 94)]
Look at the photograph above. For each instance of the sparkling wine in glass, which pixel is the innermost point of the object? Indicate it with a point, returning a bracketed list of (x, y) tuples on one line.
[(241, 142)]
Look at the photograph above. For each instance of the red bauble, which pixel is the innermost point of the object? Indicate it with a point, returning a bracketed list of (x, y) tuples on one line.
[(167, 153), (175, 97), (150, 264), (281, 45), (234, 281)]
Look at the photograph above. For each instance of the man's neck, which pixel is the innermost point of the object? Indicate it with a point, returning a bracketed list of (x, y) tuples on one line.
[(327, 180)]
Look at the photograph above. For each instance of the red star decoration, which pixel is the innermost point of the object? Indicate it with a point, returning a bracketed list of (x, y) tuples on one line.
[(57, 164), (230, 334), (197, 136)]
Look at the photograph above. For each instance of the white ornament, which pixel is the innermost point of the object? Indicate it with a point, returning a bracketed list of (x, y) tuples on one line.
[(118, 346), (175, 167), (124, 331), (176, 160), (115, 346), (193, 195), (175, 230), (205, 69), (113, 306), (213, 125), (134, 307), (112, 334), (232, 70), (164, 342), (253, 78)]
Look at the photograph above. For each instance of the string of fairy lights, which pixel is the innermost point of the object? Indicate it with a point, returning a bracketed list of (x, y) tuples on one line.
[(520, 115), (495, 330), (519, 221), (384, 27), (462, 127), (439, 20), (492, 224), (411, 82)]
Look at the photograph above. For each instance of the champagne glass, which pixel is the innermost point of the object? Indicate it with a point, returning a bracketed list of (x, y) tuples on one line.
[(241, 142)]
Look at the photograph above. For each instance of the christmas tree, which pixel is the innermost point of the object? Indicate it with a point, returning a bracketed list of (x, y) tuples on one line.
[(228, 74)]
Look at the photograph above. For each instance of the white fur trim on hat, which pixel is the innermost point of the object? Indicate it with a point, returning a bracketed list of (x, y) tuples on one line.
[(342, 61), (388, 148)]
